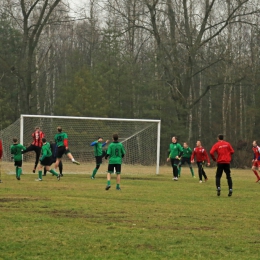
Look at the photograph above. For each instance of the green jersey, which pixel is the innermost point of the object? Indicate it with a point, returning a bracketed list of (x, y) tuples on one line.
[(175, 150), (16, 150), (59, 138), (46, 150), (116, 152), (187, 152), (98, 148)]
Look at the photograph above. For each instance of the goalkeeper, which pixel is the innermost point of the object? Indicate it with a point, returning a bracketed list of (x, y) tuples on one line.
[(99, 154), (175, 152), (186, 159)]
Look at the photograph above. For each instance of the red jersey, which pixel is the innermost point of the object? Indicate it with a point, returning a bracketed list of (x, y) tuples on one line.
[(1, 149), (256, 151), (201, 154), (37, 138), (224, 151)]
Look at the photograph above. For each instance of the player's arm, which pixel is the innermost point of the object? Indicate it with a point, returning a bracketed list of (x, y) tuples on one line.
[(180, 152), (193, 155), (105, 143), (94, 143), (123, 151), (212, 153), (108, 152), (44, 153), (207, 157)]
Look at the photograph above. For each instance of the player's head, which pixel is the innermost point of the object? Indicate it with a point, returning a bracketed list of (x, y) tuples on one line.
[(220, 137), (174, 139), (37, 128), (198, 143), (185, 145), (255, 143), (43, 140), (100, 139), (115, 137), (15, 140), (59, 129)]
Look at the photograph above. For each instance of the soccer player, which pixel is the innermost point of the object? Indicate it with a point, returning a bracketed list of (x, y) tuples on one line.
[(36, 145), (99, 154), (224, 151), (16, 150), (46, 160), (54, 151), (256, 160), (115, 152), (186, 159), (175, 152), (61, 140), (201, 156)]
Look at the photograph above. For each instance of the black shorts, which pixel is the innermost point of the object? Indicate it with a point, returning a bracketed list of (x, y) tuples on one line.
[(18, 163), (99, 160), (111, 168), (47, 161), (62, 150), (185, 160)]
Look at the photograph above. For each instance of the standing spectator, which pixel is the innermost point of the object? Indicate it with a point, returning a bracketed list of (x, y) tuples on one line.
[(99, 154), (224, 150), (201, 156), (36, 145), (187, 152), (16, 150), (115, 152), (256, 160), (61, 140), (175, 152)]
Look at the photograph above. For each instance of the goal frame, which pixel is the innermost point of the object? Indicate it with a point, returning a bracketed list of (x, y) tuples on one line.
[(157, 121)]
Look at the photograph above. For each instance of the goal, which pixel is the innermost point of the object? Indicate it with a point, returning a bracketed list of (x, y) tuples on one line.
[(140, 137)]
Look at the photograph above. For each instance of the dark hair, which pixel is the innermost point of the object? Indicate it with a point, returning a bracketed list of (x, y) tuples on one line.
[(115, 137), (44, 140), (37, 127), (59, 129), (15, 140), (220, 136)]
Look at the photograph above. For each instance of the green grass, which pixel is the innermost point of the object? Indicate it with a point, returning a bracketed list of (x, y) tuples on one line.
[(152, 217)]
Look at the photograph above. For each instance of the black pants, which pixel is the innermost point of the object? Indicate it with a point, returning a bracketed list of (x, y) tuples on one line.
[(37, 150), (60, 167), (175, 163), (226, 168), (201, 171)]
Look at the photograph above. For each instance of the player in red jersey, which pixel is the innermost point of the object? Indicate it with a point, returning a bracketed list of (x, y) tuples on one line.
[(256, 160), (201, 156), (36, 145), (224, 150)]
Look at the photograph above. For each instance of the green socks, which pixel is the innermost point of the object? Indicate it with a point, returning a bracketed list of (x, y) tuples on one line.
[(117, 186), (19, 172), (94, 172), (40, 174), (16, 172), (53, 172), (192, 172), (179, 172), (108, 182)]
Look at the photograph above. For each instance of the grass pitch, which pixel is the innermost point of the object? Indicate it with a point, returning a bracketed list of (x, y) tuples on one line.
[(152, 217)]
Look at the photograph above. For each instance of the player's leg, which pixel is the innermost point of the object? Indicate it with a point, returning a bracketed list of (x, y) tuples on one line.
[(218, 177), (70, 156), (110, 170), (60, 168), (175, 163), (40, 171), (182, 161), (44, 171), (28, 149), (118, 177), (18, 165), (254, 169), (190, 166), (98, 163), (226, 168), (203, 172), (37, 150), (199, 164)]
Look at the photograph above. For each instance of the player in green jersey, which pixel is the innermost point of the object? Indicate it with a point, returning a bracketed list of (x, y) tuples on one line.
[(16, 150), (175, 152), (99, 154), (46, 160), (186, 159), (115, 152), (61, 139)]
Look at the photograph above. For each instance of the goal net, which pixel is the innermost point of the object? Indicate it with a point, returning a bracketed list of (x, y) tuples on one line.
[(140, 137)]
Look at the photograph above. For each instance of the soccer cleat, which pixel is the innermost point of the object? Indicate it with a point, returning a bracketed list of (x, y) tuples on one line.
[(75, 162), (193, 176), (34, 170), (18, 178), (230, 193), (218, 191), (108, 187), (200, 181), (58, 177), (206, 179), (176, 178), (92, 178), (257, 180), (38, 179), (118, 188), (61, 174)]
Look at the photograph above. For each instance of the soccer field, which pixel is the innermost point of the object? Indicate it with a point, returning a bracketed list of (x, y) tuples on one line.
[(152, 217)]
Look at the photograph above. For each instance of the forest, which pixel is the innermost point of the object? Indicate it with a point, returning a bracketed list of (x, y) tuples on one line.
[(193, 64)]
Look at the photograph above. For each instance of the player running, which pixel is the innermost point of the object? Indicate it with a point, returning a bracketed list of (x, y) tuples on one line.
[(187, 152), (256, 160), (175, 152), (201, 156), (46, 160), (99, 154), (36, 145), (61, 139)]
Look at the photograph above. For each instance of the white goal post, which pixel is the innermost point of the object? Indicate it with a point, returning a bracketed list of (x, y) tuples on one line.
[(141, 137)]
